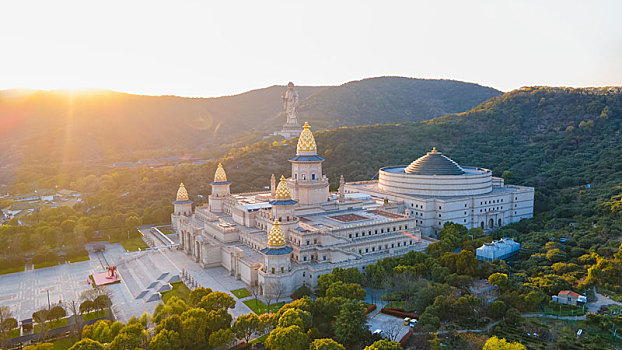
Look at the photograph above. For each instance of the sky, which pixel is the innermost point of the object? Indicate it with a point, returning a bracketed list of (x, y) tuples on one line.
[(215, 48)]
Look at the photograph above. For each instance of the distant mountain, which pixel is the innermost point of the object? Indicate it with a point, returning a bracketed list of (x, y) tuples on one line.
[(106, 126), (390, 100)]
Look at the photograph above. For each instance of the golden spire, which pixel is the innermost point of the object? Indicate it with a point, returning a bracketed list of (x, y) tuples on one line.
[(434, 150), (220, 175), (276, 238), (282, 190), (306, 142), (182, 194)]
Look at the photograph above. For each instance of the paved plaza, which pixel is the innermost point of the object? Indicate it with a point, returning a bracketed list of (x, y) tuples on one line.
[(142, 274)]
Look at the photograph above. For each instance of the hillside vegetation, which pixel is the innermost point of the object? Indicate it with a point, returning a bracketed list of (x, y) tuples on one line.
[(390, 100)]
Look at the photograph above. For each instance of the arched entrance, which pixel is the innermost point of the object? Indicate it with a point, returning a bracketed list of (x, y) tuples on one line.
[(481, 224), (197, 251), (500, 223), (491, 223)]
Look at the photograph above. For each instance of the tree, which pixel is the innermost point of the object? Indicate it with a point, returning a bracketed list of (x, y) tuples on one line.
[(166, 340), (102, 302), (384, 344), (512, 316), (132, 336), (56, 313), (7, 323), (268, 322), (217, 300), (346, 290), (497, 309), (41, 346), (289, 338), (500, 280), (218, 319), (326, 344), (102, 331), (428, 321), (222, 339), (350, 323), (171, 323), (131, 222), (296, 317), (197, 294), (246, 326), (87, 344), (495, 343)]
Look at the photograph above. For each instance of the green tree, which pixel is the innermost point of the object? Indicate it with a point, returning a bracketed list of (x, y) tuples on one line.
[(295, 317), (246, 326), (428, 321), (289, 338), (197, 294), (216, 300), (166, 340), (500, 280), (495, 343), (512, 316), (326, 344), (87, 344), (350, 323), (222, 339), (346, 290), (384, 344), (497, 309)]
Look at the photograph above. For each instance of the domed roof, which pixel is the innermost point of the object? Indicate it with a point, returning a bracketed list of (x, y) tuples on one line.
[(220, 175), (276, 238), (434, 163), (282, 190), (306, 142), (182, 193)]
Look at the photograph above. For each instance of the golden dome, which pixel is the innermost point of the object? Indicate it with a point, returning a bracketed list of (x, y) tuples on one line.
[(306, 142), (276, 238), (282, 190), (182, 194), (220, 175)]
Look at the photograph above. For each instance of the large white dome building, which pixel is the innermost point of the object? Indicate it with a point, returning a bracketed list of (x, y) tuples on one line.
[(436, 190)]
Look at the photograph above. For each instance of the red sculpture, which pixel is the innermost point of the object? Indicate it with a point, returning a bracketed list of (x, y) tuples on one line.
[(112, 272)]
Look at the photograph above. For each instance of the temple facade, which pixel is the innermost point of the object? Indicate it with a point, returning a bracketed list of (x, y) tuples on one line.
[(279, 240)]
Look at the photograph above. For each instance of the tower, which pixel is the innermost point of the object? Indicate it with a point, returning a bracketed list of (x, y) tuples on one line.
[(308, 184), (220, 190), (283, 206), (276, 254), (182, 206)]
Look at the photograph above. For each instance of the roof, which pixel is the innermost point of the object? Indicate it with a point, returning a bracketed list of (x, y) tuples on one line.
[(434, 163), (306, 159), (569, 293)]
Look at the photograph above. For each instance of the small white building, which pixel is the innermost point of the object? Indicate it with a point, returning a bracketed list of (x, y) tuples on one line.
[(501, 249)]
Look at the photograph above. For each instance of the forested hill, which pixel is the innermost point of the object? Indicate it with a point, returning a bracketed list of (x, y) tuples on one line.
[(550, 138), (390, 100), (106, 126)]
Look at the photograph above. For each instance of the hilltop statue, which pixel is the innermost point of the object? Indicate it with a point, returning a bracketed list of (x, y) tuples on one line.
[(290, 104), (291, 129)]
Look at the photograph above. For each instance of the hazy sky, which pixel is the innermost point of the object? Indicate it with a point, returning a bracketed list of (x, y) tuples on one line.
[(213, 48)]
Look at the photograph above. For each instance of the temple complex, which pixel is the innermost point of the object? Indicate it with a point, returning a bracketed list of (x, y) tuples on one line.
[(281, 239)]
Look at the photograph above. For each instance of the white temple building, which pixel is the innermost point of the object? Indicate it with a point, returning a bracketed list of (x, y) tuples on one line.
[(280, 239)]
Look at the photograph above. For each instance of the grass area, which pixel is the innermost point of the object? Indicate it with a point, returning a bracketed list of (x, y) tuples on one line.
[(64, 343), (133, 244), (259, 307), (564, 310), (168, 232), (80, 258), (14, 333), (261, 339), (52, 324), (241, 293), (179, 290), (11, 270), (95, 314), (45, 264)]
